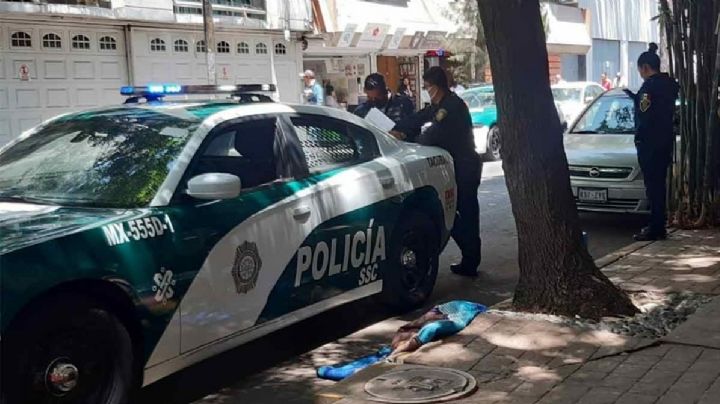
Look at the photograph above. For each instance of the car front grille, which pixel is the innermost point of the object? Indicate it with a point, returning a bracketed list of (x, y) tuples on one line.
[(611, 204), (616, 173)]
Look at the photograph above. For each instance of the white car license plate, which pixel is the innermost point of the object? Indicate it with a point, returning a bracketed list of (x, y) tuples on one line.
[(592, 195)]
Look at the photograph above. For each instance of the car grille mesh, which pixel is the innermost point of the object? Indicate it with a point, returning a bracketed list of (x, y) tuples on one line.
[(600, 172)]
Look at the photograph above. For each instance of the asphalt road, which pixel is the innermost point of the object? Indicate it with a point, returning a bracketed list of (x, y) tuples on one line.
[(280, 368)]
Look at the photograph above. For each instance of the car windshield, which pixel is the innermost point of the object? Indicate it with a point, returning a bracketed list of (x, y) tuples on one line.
[(479, 99), (610, 114), (113, 158), (561, 94)]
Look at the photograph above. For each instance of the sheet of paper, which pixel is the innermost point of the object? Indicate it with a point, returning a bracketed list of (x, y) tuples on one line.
[(377, 118)]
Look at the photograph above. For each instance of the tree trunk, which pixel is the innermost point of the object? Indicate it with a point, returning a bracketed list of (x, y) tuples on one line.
[(557, 274)]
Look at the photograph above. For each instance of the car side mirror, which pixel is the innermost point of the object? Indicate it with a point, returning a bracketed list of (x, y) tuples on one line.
[(212, 186)]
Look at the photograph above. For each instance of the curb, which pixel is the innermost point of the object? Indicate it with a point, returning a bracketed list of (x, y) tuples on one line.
[(623, 252)]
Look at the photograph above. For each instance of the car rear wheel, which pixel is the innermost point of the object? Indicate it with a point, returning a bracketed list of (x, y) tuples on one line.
[(413, 263), (71, 350), (492, 152)]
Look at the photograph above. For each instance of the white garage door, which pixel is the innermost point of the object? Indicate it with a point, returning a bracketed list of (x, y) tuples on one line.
[(179, 57), (46, 70)]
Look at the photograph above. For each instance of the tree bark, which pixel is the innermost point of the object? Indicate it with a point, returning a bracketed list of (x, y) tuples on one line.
[(557, 274)]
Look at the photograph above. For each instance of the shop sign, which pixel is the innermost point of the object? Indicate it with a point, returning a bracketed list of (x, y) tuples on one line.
[(417, 39), (396, 38), (347, 36), (434, 40), (373, 36)]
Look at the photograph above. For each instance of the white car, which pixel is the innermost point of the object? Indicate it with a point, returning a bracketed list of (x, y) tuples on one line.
[(604, 171), (573, 97)]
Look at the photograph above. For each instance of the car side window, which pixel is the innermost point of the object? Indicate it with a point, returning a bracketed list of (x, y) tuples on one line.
[(329, 143), (246, 150)]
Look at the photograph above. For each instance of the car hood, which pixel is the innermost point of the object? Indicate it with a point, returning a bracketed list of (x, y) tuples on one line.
[(485, 116), (22, 225), (601, 150)]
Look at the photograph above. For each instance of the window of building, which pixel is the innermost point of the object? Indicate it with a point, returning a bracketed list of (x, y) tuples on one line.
[(188, 10), (280, 49), (21, 40), (223, 47), (80, 42), (200, 47), (157, 45), (92, 3), (52, 41), (261, 49), (107, 43), (243, 48), (181, 45)]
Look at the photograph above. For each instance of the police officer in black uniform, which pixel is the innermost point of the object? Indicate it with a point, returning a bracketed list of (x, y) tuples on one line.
[(654, 137), (396, 106), (451, 129)]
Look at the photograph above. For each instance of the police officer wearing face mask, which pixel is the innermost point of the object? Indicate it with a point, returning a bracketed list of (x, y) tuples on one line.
[(450, 127), (396, 106), (654, 137)]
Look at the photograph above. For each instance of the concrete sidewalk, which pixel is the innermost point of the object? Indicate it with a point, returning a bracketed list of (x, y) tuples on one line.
[(526, 359)]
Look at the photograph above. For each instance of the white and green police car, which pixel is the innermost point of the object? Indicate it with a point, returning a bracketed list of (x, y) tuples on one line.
[(137, 240)]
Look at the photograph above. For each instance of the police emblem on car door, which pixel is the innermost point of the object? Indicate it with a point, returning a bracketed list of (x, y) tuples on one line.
[(246, 267)]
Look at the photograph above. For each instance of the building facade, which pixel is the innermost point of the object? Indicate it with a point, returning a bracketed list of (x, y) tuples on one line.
[(60, 56), (620, 31), (398, 38)]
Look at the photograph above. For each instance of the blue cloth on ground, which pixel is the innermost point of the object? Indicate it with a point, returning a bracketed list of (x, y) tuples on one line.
[(343, 370), (443, 320), (459, 314)]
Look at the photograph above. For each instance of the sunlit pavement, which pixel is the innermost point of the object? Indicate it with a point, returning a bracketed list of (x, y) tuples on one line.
[(281, 367)]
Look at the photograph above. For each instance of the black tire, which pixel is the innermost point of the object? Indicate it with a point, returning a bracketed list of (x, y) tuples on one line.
[(413, 263), (76, 339), (492, 151)]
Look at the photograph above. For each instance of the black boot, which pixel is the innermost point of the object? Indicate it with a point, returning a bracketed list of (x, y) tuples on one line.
[(464, 270), (648, 234)]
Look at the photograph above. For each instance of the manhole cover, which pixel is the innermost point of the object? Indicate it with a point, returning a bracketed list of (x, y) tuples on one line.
[(420, 384)]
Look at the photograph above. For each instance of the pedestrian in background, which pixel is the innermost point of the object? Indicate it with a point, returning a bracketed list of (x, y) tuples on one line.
[(330, 100), (451, 129), (313, 91), (619, 82), (605, 82), (654, 137), (396, 106), (405, 89)]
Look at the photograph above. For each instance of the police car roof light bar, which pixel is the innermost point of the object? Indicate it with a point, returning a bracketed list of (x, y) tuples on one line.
[(155, 92)]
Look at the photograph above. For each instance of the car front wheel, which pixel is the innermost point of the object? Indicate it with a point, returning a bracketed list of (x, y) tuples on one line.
[(493, 145), (70, 350), (413, 265)]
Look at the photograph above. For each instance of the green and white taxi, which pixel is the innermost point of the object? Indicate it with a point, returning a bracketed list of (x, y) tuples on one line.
[(139, 239)]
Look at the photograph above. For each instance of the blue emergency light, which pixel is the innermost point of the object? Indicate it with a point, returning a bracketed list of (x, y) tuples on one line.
[(156, 91)]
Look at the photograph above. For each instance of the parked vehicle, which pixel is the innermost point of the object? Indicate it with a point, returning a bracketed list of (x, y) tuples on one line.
[(573, 97), (137, 240), (483, 112), (604, 171)]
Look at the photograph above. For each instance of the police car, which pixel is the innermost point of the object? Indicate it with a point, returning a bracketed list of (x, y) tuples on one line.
[(139, 239)]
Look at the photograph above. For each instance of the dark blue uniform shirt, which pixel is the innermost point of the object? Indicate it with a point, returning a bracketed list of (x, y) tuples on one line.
[(397, 108), (654, 112)]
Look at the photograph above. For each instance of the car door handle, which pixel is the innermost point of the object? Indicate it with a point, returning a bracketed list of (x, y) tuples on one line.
[(387, 182), (301, 212)]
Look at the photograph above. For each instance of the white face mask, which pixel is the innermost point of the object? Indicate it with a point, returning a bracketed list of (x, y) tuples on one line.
[(432, 92)]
